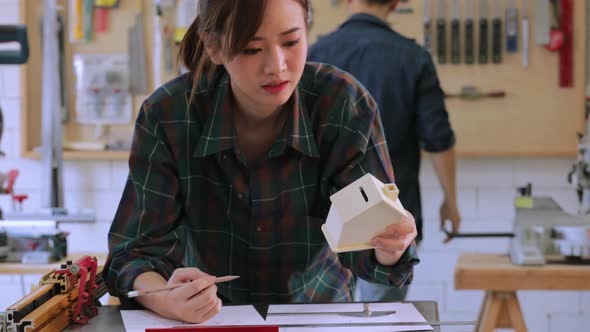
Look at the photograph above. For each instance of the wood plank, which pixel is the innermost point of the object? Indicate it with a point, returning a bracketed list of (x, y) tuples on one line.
[(496, 272), (18, 268), (503, 320), (84, 155), (492, 307), (515, 313)]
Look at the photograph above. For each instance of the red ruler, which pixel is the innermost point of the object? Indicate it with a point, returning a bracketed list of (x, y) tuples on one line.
[(251, 328), (566, 54)]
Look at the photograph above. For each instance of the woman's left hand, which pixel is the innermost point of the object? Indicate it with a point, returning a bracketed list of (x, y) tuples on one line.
[(391, 244)]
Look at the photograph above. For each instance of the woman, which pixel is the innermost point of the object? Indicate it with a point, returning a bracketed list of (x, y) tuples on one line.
[(232, 166)]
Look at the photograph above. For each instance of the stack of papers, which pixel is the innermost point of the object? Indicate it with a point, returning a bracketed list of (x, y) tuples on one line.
[(293, 314)]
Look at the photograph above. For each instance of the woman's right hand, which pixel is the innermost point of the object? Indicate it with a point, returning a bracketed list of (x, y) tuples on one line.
[(194, 302)]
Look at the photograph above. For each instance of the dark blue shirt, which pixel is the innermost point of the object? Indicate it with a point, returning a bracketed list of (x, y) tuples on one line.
[(402, 78)]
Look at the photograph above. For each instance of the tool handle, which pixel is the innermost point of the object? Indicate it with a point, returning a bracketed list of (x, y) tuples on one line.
[(455, 42), (525, 42), (483, 41), (469, 42), (428, 35), (511, 30), (470, 235), (14, 33), (496, 40), (496, 94), (441, 41)]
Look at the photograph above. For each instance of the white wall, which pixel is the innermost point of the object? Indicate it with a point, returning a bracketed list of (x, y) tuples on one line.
[(486, 191)]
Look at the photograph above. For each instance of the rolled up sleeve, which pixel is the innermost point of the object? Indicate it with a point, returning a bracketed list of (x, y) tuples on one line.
[(432, 119)]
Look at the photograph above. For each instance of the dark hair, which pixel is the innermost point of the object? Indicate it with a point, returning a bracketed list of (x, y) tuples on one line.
[(237, 19)]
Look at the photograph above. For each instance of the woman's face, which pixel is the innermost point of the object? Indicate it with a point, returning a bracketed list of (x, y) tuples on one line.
[(264, 75)]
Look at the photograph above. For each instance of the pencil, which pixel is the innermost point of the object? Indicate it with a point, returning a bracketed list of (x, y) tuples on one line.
[(149, 291)]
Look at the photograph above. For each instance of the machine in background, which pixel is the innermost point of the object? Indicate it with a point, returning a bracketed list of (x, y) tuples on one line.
[(544, 233)]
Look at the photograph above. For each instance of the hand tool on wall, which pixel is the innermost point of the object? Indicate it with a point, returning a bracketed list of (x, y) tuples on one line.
[(483, 32), (51, 128), (138, 80), (542, 21), (497, 32), (512, 27), (470, 92), (469, 31), (455, 32), (441, 33), (61, 39), (556, 36), (427, 21), (566, 56), (102, 8), (525, 34), (75, 19)]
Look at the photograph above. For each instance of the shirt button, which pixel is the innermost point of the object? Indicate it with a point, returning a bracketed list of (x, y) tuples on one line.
[(259, 229), (240, 195)]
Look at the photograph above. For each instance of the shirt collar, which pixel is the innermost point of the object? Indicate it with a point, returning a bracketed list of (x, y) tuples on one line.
[(300, 134), (218, 132), (366, 18)]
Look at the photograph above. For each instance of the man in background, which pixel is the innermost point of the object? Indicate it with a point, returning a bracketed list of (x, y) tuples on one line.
[(402, 78)]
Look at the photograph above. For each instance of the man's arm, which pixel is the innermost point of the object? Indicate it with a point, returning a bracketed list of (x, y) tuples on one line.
[(444, 165), (359, 147), (437, 137)]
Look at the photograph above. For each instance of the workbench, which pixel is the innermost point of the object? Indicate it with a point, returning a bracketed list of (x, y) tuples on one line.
[(500, 279), (109, 318)]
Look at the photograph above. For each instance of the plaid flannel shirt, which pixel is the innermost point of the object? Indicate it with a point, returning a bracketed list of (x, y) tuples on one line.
[(190, 199)]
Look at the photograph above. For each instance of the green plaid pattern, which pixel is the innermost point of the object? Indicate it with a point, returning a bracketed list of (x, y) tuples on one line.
[(190, 199)]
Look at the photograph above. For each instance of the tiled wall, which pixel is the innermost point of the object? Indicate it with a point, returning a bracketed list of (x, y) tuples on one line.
[(486, 191)]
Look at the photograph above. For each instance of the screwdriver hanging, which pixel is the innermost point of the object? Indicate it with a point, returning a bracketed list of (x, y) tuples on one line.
[(512, 27), (483, 32), (428, 25), (469, 32), (525, 34), (441, 33), (497, 32), (455, 33)]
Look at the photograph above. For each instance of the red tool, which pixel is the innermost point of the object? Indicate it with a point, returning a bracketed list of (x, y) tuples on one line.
[(556, 35), (9, 189), (252, 328), (566, 53), (84, 273), (102, 19)]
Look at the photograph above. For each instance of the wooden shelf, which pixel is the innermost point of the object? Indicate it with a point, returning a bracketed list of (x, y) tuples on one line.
[(83, 155)]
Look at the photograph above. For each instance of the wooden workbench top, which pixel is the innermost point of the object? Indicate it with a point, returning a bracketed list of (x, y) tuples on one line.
[(18, 268), (496, 272)]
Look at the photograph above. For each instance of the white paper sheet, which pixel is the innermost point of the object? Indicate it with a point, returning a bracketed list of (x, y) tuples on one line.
[(139, 320)]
